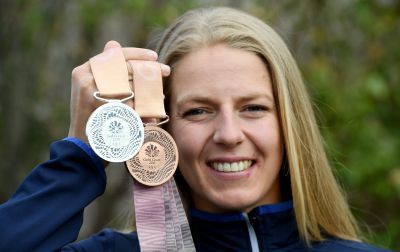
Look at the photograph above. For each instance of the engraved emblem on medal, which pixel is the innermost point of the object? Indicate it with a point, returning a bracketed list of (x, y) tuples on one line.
[(115, 132), (157, 160)]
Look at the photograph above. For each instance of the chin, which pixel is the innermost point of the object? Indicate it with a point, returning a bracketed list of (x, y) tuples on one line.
[(235, 203)]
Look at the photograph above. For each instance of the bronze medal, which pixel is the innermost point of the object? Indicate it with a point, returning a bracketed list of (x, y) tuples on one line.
[(157, 159)]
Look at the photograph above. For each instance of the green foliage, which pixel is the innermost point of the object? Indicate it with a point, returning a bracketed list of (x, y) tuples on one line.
[(348, 52)]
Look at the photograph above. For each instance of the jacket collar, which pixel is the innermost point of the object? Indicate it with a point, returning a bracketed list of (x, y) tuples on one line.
[(275, 227), (237, 216)]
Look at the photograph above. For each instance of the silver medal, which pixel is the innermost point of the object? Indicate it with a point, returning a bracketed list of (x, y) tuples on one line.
[(115, 132)]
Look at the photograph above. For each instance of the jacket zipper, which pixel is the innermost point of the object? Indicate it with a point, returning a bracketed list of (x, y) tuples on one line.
[(252, 234)]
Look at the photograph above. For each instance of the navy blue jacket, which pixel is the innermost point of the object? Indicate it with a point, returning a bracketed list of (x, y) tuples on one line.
[(46, 213)]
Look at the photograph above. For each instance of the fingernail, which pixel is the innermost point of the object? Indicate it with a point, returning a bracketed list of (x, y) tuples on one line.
[(165, 68), (152, 54)]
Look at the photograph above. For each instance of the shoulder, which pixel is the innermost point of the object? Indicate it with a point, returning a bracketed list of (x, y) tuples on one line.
[(107, 240), (332, 244)]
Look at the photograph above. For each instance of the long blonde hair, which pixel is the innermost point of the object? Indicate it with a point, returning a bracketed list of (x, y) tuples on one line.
[(319, 204)]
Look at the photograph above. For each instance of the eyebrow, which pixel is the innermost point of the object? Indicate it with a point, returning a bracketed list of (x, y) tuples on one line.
[(193, 98), (206, 99), (249, 97)]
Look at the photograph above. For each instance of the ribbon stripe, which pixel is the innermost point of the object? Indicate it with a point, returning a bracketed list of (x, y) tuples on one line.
[(150, 220)]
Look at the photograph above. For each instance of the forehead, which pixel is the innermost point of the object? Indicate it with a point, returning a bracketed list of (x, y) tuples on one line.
[(220, 70)]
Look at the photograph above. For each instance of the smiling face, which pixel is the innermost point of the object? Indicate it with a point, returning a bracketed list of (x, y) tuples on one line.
[(226, 127)]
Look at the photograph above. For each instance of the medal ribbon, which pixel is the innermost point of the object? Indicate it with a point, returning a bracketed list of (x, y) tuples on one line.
[(110, 73), (114, 130), (160, 218)]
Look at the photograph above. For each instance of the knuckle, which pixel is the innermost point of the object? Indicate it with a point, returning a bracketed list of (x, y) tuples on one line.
[(81, 78), (76, 72)]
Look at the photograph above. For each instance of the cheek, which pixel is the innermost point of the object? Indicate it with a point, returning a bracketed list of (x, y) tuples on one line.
[(187, 143), (187, 156), (270, 139)]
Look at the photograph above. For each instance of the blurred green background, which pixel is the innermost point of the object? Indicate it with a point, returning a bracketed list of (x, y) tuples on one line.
[(348, 52)]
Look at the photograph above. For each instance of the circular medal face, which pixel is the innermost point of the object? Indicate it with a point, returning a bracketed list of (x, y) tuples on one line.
[(115, 132), (157, 159)]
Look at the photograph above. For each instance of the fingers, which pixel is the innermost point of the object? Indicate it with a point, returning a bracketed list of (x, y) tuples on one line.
[(83, 86), (165, 70), (133, 53), (84, 73), (111, 44)]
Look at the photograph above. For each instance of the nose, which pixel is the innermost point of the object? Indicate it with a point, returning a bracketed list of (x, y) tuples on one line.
[(227, 129)]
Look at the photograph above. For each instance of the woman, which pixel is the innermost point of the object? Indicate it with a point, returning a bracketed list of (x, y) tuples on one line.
[(252, 167)]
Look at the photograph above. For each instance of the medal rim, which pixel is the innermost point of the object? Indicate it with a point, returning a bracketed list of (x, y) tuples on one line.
[(164, 180), (96, 112)]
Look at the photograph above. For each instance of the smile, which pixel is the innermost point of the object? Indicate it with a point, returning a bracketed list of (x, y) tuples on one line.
[(231, 167)]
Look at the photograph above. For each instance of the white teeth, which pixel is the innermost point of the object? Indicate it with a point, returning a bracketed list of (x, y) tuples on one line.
[(235, 167), (231, 167), (227, 167)]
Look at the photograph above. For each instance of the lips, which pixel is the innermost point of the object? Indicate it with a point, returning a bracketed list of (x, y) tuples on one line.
[(231, 166)]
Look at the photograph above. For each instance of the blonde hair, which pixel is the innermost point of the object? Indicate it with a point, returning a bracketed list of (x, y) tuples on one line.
[(319, 204)]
